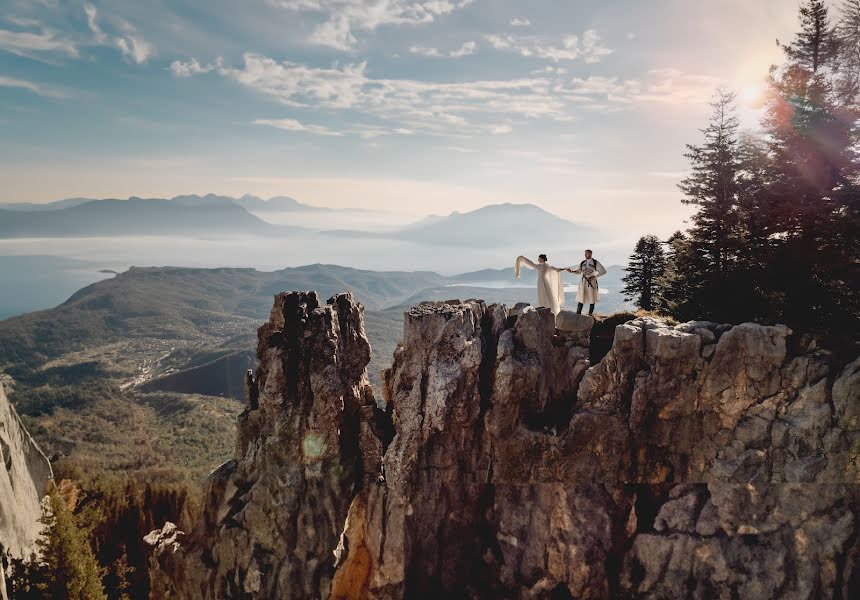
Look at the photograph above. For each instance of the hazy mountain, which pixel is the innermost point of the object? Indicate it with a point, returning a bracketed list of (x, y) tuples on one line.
[(495, 225), (37, 206), (136, 216), (277, 204), (195, 200)]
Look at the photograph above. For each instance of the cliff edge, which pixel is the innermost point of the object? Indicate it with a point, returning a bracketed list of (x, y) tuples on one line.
[(24, 476), (701, 460)]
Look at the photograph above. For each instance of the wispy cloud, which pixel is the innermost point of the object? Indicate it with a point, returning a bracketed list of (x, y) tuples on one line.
[(423, 51), (189, 67), (362, 131), (664, 86), (462, 108), (294, 125), (465, 50), (588, 48), (30, 86), (91, 13), (29, 43), (136, 49), (131, 44), (520, 22), (342, 17), (458, 109)]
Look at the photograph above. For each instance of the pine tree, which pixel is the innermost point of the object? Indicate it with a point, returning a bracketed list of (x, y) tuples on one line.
[(814, 190), (677, 292), (713, 187), (65, 556), (755, 210), (848, 38), (815, 45), (644, 270)]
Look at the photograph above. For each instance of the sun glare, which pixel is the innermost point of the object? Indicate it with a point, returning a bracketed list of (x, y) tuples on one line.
[(752, 95)]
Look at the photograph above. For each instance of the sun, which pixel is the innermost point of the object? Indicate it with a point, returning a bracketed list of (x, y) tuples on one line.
[(752, 95)]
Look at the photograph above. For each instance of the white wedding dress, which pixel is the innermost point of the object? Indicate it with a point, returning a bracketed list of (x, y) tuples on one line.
[(550, 287)]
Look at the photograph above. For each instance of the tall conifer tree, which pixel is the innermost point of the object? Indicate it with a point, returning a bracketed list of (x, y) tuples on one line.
[(644, 270)]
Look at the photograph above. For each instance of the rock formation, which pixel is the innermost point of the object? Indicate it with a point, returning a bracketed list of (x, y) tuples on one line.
[(699, 460), (24, 477)]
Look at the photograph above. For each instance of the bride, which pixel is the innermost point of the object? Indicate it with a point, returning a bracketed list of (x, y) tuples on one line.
[(550, 286)]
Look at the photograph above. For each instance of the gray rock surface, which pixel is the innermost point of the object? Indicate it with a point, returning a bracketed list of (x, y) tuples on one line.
[(699, 460), (24, 477)]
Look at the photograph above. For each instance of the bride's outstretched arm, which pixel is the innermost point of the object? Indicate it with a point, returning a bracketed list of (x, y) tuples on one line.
[(521, 262)]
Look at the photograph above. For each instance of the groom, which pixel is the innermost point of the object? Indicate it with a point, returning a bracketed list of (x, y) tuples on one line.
[(588, 292)]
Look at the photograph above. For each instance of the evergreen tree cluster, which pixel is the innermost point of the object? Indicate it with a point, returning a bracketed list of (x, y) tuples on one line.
[(91, 546), (776, 232)]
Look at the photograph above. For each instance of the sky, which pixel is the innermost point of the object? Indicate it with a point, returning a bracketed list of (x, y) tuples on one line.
[(580, 106)]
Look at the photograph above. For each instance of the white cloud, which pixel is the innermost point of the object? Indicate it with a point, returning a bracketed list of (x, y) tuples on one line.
[(26, 43), (189, 67), (294, 125), (130, 44), (136, 49), (520, 22), (462, 108), (454, 109), (345, 16), (663, 86), (589, 49), (92, 13), (592, 48), (335, 33), (30, 86), (362, 131), (425, 51), (465, 50)]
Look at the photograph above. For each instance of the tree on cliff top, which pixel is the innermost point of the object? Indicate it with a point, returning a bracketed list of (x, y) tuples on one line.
[(776, 233), (815, 44), (644, 270)]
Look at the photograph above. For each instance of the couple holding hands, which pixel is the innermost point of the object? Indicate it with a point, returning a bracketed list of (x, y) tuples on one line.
[(550, 286)]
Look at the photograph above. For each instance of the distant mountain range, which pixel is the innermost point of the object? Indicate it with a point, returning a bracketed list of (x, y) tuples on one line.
[(137, 216), (248, 202), (492, 226)]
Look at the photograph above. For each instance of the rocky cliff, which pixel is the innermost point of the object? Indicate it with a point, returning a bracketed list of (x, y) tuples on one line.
[(699, 460), (24, 476)]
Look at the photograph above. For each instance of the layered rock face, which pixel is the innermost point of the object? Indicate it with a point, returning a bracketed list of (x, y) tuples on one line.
[(273, 515), (24, 477), (700, 460)]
